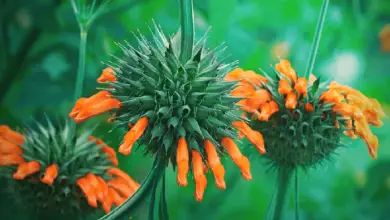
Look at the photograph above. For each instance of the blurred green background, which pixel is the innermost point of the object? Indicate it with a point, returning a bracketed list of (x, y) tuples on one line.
[(38, 63)]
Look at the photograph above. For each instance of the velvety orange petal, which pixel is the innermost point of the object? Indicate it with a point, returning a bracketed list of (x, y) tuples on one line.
[(88, 190), (284, 87), (7, 147), (240, 160), (117, 199), (309, 107), (301, 87), (121, 187), (26, 169), (11, 135), (107, 76), (119, 174), (97, 109), (51, 174), (182, 160), (291, 100), (215, 164), (10, 159), (284, 67), (133, 135), (199, 177), (254, 137)]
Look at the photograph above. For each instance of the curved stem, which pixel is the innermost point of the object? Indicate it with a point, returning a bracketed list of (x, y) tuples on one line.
[(187, 29), (317, 38), (129, 206), (284, 177)]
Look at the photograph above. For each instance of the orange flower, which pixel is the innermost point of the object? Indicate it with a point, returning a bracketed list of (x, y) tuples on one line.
[(10, 159), (10, 135), (301, 86), (26, 169), (249, 76), (97, 104), (50, 174), (107, 76), (309, 107), (119, 174), (88, 191), (116, 198), (7, 147), (284, 87), (106, 149), (182, 159), (133, 135), (215, 164), (291, 100), (240, 160), (284, 67), (199, 177), (253, 136)]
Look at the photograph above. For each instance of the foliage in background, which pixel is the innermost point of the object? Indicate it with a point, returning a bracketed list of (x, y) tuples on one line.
[(38, 65)]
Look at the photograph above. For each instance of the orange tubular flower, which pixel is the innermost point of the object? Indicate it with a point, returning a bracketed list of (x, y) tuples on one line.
[(10, 159), (301, 86), (199, 177), (291, 100), (240, 160), (97, 104), (106, 149), (215, 164), (50, 174), (7, 147), (182, 159), (10, 135), (107, 76), (26, 169), (133, 135)]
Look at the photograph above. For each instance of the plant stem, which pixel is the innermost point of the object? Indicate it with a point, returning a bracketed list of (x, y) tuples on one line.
[(284, 177), (317, 38), (81, 68), (187, 29), (296, 194)]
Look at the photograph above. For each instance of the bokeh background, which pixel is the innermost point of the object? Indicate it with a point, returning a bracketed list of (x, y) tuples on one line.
[(39, 56)]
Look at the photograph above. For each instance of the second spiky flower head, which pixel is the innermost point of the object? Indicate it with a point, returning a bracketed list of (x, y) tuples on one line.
[(302, 120), (179, 111)]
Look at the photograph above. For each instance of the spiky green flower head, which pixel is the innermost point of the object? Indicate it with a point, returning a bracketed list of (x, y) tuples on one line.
[(303, 121), (177, 110), (54, 172)]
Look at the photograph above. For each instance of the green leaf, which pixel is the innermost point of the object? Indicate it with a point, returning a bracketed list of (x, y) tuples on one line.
[(173, 122), (193, 125), (168, 140), (215, 122), (181, 132), (158, 131), (164, 112), (315, 86)]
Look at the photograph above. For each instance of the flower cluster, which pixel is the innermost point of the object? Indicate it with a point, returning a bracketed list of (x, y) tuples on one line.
[(54, 171), (302, 120), (181, 112)]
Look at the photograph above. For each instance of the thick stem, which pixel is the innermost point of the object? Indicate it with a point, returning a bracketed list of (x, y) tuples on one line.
[(187, 29), (81, 68), (296, 194), (317, 38), (131, 204), (283, 182)]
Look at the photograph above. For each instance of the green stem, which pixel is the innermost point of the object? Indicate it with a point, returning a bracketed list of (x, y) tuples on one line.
[(132, 203), (284, 177), (81, 68), (187, 29), (296, 194), (317, 38)]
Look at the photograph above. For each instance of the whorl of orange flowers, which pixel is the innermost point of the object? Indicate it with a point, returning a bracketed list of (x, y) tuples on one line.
[(300, 102), (103, 101), (112, 189)]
